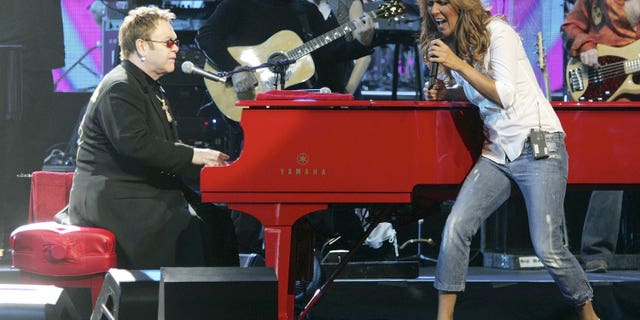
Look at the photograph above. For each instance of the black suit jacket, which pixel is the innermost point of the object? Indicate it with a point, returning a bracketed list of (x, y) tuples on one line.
[(129, 168)]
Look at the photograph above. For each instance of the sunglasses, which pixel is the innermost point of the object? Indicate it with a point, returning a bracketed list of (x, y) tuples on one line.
[(169, 43)]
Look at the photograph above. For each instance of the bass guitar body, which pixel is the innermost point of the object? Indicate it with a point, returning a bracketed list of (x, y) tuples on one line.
[(613, 79)]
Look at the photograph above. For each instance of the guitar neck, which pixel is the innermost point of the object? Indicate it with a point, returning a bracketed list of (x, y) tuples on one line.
[(632, 66), (324, 39)]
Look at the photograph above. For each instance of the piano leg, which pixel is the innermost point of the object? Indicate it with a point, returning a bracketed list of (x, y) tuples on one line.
[(278, 220)]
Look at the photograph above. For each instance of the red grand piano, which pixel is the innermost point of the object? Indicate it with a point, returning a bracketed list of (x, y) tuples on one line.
[(301, 155)]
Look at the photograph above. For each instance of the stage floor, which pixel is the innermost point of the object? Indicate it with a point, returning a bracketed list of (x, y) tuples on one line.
[(491, 294)]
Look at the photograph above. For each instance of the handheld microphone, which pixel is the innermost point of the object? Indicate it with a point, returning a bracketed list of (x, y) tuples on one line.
[(433, 71), (433, 75), (189, 68)]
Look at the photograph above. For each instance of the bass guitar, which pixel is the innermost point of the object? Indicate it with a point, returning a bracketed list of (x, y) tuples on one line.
[(284, 45), (612, 79)]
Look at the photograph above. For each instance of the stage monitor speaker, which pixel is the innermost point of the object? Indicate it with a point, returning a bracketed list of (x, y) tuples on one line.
[(34, 302), (219, 293), (128, 295), (248, 260)]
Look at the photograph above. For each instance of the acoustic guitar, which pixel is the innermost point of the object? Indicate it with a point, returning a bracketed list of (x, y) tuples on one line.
[(282, 46), (612, 79)]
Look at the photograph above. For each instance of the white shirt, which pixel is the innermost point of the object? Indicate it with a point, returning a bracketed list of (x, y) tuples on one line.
[(524, 106)]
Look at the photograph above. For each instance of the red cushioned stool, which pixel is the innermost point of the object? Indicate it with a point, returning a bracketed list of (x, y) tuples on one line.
[(62, 255)]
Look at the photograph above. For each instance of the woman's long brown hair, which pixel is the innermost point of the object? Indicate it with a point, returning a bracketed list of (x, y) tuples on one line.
[(470, 39)]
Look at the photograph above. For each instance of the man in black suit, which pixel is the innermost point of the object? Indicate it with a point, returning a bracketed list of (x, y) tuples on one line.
[(130, 163)]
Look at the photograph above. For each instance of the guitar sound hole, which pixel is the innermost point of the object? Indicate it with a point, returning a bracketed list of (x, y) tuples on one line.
[(274, 59)]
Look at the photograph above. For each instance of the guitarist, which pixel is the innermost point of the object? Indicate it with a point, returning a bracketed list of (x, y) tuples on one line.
[(251, 22), (612, 23)]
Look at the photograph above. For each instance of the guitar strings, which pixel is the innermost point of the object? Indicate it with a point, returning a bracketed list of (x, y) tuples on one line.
[(610, 70)]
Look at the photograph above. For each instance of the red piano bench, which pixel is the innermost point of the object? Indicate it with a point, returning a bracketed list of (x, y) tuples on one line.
[(56, 254), (63, 255)]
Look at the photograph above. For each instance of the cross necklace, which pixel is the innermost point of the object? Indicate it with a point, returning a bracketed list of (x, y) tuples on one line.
[(165, 107)]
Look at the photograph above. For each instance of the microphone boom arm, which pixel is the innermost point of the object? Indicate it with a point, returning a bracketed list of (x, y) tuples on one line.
[(274, 64)]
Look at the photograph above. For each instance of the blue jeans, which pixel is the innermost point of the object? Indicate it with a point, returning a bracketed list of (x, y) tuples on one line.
[(601, 225), (543, 184)]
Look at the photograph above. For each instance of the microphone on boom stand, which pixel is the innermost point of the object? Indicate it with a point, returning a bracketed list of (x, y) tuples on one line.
[(189, 68), (279, 67)]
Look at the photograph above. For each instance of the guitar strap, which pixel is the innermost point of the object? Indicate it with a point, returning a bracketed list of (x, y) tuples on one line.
[(307, 34)]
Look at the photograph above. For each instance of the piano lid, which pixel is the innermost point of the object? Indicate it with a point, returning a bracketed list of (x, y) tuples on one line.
[(310, 151)]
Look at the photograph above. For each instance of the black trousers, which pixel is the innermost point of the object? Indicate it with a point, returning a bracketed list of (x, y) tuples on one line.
[(209, 240)]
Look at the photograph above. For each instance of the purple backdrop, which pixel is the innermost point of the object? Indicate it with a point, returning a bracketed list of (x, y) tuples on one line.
[(84, 56)]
